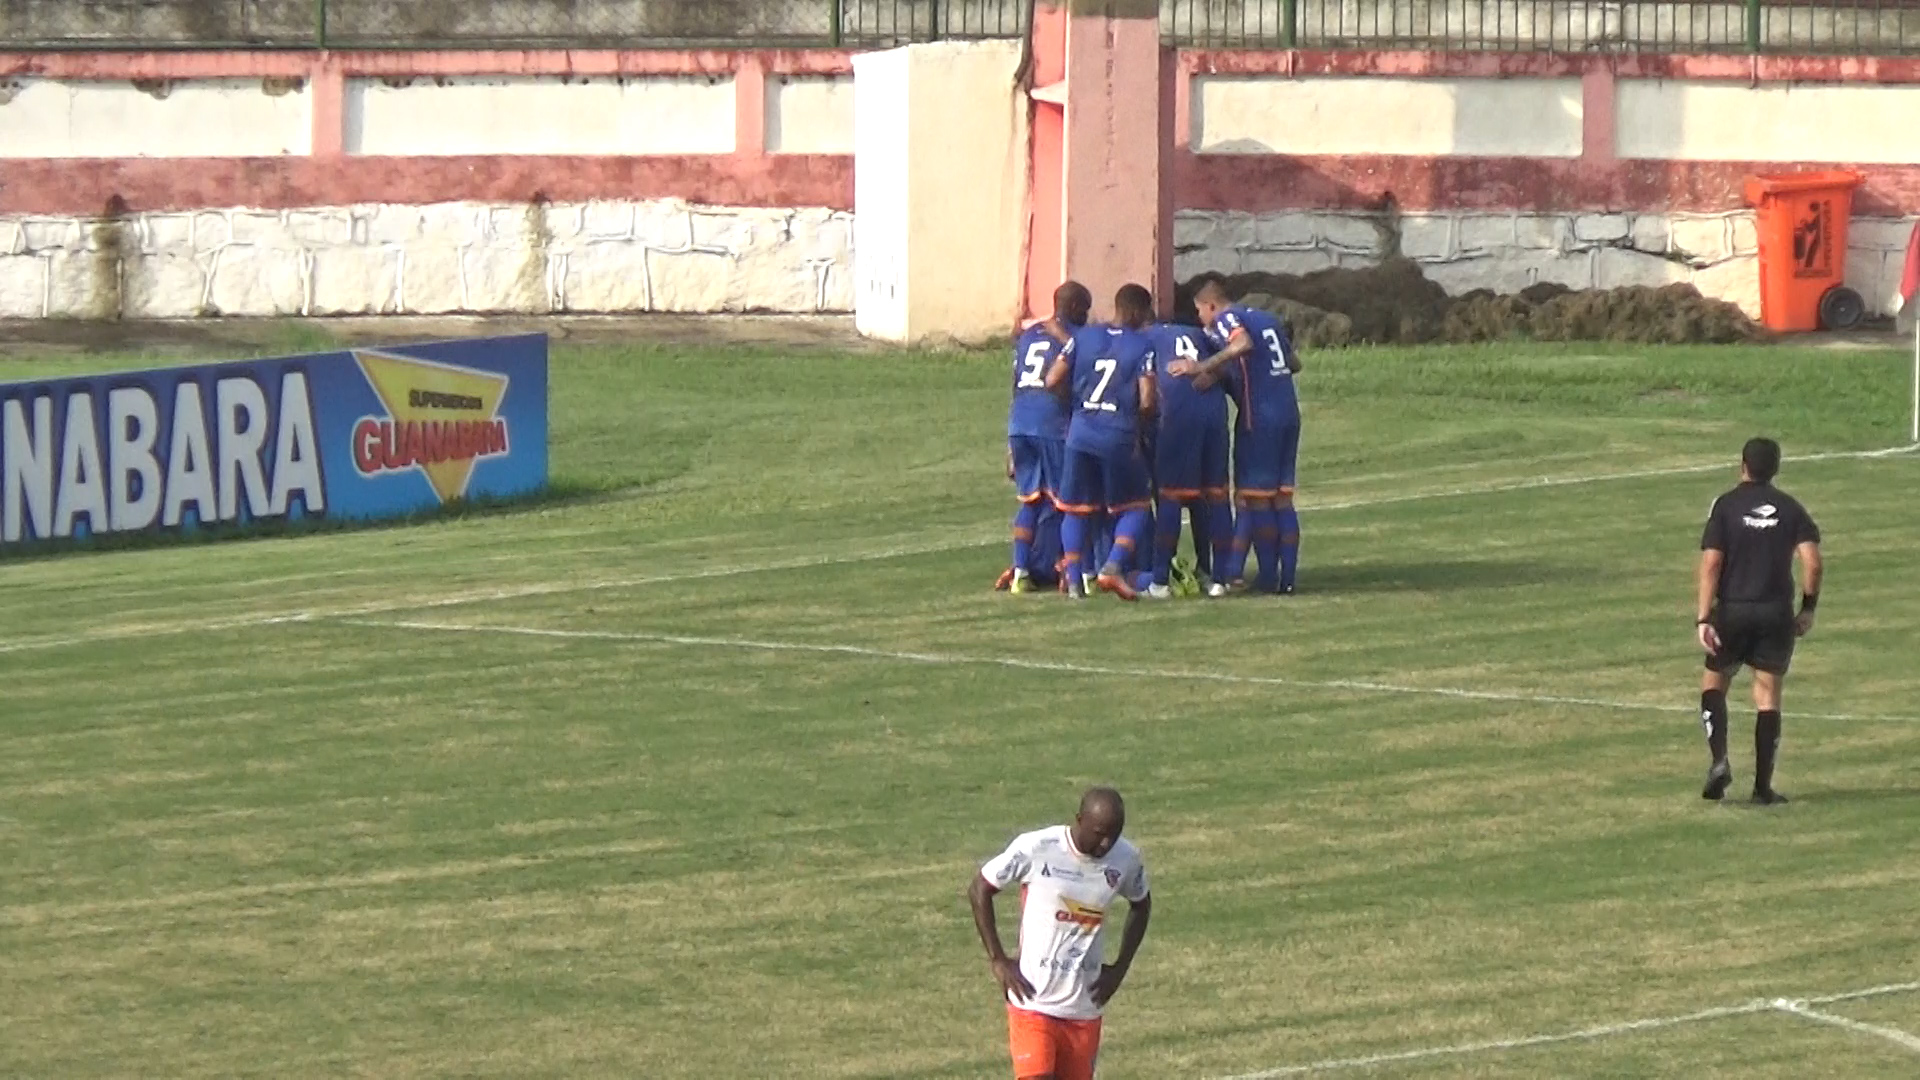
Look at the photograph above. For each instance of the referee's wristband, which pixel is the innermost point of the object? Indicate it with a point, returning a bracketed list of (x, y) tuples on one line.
[(1809, 601), (1702, 622)]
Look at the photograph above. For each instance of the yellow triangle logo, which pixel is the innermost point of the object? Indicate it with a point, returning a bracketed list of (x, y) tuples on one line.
[(444, 418)]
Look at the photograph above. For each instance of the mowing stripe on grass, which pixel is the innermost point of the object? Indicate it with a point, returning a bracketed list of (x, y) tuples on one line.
[(1800, 1009), (1604, 1031), (551, 588), (1358, 686)]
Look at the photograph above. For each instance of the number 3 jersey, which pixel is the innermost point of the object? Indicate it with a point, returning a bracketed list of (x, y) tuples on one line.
[(1262, 380), (1108, 364), (1066, 899), (1036, 412)]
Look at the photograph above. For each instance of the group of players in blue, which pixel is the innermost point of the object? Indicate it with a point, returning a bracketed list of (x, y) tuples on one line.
[(1117, 430)]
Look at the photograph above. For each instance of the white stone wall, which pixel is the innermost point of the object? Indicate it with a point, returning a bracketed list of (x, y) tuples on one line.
[(1506, 252), (661, 255)]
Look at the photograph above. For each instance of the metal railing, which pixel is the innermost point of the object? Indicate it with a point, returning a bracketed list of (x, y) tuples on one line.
[(1865, 27), (432, 24)]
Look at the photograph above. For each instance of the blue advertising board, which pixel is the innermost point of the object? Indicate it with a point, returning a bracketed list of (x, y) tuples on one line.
[(361, 434)]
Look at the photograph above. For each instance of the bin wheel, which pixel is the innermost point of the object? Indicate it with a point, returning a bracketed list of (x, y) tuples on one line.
[(1841, 308)]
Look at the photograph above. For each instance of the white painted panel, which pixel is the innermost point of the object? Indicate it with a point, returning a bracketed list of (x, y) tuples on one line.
[(541, 115), (43, 118), (1269, 115), (881, 180), (810, 115), (1693, 121)]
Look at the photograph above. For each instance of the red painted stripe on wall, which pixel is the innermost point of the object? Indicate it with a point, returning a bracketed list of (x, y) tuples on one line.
[(400, 63), (1297, 63), (1272, 182), (155, 184)]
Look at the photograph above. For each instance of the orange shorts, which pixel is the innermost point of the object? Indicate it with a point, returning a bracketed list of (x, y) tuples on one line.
[(1047, 1046)]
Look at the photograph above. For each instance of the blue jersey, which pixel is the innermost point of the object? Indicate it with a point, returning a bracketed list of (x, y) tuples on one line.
[(1180, 404), (1263, 380), (1108, 363), (1036, 412)]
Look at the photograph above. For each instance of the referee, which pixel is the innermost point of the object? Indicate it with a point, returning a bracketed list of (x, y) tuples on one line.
[(1744, 609)]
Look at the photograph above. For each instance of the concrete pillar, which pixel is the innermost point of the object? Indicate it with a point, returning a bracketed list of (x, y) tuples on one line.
[(1101, 132)]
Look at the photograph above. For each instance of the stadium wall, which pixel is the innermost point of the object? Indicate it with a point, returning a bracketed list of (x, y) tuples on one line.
[(336, 183), (264, 183), (1499, 170)]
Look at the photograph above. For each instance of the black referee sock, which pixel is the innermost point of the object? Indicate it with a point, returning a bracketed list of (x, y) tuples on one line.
[(1713, 718), (1766, 744)]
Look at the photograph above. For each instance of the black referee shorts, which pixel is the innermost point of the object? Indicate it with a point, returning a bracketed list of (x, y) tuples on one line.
[(1760, 636)]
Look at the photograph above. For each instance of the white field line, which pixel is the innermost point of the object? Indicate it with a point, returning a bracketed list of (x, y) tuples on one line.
[(1358, 686), (1895, 1035), (551, 588), (1604, 1031)]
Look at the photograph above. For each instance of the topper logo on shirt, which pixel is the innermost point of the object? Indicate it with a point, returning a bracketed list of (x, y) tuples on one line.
[(1763, 517), (1083, 915)]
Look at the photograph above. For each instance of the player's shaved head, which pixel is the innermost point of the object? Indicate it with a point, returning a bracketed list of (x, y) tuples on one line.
[(1211, 298), (1102, 817), (1072, 303), (1133, 306)]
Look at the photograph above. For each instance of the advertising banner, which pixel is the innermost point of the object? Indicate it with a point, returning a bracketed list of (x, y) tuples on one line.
[(361, 434)]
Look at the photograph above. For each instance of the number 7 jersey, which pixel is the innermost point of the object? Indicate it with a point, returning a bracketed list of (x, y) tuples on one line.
[(1108, 363)]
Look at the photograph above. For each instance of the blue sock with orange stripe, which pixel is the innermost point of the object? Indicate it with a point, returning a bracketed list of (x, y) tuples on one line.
[(1236, 566), (1129, 533), (1166, 539), (1266, 541), (1289, 545), (1024, 520), (1220, 534), (1202, 511), (1073, 544)]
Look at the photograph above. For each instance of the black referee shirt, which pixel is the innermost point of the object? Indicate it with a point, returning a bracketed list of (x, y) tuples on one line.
[(1758, 526)]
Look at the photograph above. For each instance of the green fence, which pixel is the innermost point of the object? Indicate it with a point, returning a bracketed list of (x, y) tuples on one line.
[(430, 24), (1866, 27)]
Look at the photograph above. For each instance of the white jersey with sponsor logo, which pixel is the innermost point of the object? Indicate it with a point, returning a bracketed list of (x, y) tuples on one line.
[(1065, 904)]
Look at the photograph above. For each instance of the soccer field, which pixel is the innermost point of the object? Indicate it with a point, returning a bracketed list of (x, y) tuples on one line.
[(684, 775)]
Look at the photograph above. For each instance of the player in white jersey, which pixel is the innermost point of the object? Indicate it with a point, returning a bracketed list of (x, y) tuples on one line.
[(1070, 877)]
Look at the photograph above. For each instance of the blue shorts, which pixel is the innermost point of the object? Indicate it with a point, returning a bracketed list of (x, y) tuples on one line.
[(1093, 482), (1264, 461), (1192, 462), (1037, 463)]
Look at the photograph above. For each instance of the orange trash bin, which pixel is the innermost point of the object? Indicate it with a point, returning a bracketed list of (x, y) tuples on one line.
[(1802, 221)]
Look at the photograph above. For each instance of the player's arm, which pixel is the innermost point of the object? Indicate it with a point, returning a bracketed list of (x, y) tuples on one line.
[(1059, 380), (1706, 579), (1139, 913), (1811, 571), (1149, 388), (1006, 972), (1238, 346)]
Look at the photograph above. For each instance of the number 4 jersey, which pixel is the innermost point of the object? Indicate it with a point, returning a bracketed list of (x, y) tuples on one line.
[(1262, 381), (1065, 901), (1036, 412)]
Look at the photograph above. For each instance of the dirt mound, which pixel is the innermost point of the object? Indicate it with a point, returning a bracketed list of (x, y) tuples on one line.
[(1394, 303)]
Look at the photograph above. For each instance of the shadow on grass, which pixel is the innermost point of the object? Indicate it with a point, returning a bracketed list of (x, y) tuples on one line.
[(1426, 577), (560, 494)]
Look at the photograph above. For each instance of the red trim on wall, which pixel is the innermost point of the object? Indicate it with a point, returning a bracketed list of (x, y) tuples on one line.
[(151, 184), (1296, 63), (1270, 182), (398, 63)]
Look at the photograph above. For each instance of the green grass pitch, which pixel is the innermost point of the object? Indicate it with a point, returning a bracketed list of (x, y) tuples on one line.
[(684, 774)]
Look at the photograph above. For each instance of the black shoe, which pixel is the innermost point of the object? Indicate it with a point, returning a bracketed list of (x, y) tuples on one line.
[(1718, 778), (1768, 797)]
